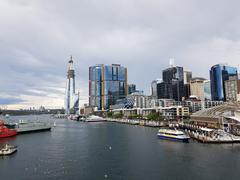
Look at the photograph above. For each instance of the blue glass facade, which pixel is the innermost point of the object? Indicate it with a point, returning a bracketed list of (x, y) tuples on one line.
[(218, 75), (106, 85), (207, 90)]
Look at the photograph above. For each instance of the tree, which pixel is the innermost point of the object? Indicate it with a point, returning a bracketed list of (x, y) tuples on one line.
[(134, 116), (152, 116), (118, 115), (109, 114)]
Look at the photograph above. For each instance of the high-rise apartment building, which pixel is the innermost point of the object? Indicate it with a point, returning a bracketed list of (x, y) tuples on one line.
[(232, 89), (197, 88)]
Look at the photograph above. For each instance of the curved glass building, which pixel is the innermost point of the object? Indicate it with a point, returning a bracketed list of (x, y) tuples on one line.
[(107, 84), (219, 73)]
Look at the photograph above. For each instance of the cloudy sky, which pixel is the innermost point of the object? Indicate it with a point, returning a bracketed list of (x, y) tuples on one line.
[(38, 36)]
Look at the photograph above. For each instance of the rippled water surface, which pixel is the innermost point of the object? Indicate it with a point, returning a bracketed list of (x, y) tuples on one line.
[(95, 151)]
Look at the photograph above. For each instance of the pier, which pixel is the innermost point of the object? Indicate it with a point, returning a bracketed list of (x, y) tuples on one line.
[(207, 135)]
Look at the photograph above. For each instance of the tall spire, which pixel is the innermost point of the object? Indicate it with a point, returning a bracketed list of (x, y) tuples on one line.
[(70, 63), (71, 59)]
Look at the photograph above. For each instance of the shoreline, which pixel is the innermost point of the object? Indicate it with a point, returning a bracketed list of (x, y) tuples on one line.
[(147, 123)]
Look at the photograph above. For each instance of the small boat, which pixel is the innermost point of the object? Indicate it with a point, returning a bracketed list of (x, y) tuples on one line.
[(171, 134), (94, 118), (6, 132), (7, 116), (8, 150), (73, 117)]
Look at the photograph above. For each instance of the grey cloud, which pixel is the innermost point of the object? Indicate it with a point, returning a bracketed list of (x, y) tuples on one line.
[(37, 37), (6, 101)]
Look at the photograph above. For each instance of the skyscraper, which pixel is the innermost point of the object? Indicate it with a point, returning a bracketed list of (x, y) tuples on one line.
[(232, 89), (154, 88), (107, 84), (131, 88), (219, 73), (207, 90), (196, 87), (187, 79), (173, 80), (71, 103), (187, 76)]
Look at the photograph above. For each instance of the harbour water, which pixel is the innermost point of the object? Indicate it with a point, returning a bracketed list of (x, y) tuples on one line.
[(95, 151)]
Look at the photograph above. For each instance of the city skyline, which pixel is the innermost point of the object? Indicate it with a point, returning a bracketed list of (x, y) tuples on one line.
[(38, 37)]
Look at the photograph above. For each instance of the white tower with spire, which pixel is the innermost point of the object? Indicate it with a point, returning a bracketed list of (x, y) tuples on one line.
[(71, 103)]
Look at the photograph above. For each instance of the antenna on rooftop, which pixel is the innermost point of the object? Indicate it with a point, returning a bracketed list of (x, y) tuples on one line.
[(171, 62)]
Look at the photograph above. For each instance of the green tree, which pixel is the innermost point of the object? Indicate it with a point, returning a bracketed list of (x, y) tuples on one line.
[(109, 114), (152, 116), (133, 116), (118, 115)]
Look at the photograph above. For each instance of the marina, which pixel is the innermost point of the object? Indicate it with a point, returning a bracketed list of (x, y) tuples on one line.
[(198, 133)]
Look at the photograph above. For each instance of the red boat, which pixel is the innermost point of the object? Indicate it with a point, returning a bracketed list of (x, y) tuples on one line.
[(5, 132)]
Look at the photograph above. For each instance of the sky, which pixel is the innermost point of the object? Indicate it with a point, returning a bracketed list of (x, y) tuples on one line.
[(37, 38)]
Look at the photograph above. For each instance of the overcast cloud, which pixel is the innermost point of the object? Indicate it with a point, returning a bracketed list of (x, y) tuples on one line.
[(38, 36)]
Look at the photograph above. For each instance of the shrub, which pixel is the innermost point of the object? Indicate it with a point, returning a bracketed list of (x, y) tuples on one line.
[(118, 115)]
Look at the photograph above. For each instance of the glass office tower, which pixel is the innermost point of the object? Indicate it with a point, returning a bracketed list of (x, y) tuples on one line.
[(106, 85), (219, 74), (207, 90), (131, 88), (173, 81)]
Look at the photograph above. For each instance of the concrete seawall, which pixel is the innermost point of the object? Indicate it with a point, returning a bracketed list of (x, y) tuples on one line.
[(139, 122)]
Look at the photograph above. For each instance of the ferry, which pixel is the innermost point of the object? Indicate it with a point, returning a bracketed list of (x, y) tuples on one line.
[(171, 134), (8, 150)]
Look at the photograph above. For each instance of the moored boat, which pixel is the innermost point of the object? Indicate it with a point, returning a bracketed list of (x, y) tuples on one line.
[(94, 118), (24, 126), (175, 135), (5, 132), (8, 150), (28, 127)]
